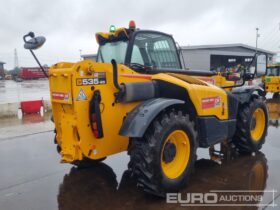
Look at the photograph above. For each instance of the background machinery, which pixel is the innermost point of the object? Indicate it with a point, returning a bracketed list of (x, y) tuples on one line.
[(137, 97), (271, 80)]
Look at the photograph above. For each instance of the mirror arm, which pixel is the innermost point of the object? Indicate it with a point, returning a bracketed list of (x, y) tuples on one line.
[(38, 62)]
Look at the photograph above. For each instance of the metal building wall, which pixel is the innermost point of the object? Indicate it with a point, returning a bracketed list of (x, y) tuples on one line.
[(196, 59), (199, 59)]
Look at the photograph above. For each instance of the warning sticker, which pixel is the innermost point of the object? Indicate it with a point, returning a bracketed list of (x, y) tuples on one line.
[(210, 102), (99, 78), (208, 80), (60, 96), (81, 96)]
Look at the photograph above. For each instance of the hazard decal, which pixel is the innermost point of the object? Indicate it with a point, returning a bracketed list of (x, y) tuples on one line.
[(99, 78), (210, 102), (81, 96)]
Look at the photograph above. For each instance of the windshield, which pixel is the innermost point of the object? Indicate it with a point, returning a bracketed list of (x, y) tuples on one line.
[(112, 50), (272, 71)]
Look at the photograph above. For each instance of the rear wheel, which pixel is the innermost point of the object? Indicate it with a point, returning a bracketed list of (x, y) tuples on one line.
[(86, 162), (162, 160), (252, 125)]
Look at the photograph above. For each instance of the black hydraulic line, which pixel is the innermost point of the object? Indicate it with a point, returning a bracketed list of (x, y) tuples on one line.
[(115, 74)]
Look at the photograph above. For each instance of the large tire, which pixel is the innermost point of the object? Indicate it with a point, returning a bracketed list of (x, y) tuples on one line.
[(90, 188), (87, 163), (252, 123), (163, 159)]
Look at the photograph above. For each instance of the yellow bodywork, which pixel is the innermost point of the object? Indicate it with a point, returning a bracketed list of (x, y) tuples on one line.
[(273, 108), (71, 113), (272, 83), (218, 80)]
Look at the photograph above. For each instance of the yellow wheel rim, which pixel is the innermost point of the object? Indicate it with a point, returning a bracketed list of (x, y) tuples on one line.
[(176, 166), (257, 124)]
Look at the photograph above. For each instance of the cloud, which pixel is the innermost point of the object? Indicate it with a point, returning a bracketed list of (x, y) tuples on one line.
[(70, 25)]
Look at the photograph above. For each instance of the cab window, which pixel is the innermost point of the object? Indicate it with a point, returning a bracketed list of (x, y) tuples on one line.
[(155, 50), (272, 71)]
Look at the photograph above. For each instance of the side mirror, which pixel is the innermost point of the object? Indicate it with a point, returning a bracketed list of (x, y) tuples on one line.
[(261, 64), (233, 77), (33, 43)]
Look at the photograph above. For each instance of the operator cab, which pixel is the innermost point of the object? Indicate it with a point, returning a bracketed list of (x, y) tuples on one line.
[(273, 70), (138, 49)]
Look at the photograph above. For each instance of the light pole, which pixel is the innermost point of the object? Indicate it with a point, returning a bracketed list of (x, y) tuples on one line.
[(80, 54), (257, 37)]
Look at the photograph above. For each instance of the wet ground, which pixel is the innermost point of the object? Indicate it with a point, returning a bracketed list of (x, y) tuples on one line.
[(11, 91), (31, 176)]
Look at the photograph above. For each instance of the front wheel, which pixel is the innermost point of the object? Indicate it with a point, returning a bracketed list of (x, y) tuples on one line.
[(252, 123), (163, 159)]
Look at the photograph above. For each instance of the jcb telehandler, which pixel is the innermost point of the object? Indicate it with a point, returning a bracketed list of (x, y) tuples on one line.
[(137, 97), (271, 80)]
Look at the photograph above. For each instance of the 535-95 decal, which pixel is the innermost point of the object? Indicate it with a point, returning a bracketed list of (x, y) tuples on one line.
[(99, 78)]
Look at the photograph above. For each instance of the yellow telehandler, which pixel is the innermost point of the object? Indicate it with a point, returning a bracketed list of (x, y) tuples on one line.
[(271, 80), (137, 97)]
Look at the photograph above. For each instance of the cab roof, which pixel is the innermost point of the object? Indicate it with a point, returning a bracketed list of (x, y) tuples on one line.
[(121, 34)]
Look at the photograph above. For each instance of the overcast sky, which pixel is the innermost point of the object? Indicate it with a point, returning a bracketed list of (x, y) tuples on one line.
[(70, 25)]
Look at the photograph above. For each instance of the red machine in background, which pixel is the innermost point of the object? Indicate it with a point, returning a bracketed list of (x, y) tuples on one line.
[(32, 72), (28, 107)]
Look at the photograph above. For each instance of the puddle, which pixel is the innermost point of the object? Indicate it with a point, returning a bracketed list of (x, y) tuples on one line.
[(11, 91), (25, 119)]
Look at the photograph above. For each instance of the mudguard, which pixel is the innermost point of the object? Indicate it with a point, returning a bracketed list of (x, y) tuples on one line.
[(243, 94), (138, 120)]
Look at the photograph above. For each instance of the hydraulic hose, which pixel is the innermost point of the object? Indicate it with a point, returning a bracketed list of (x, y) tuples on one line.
[(115, 74)]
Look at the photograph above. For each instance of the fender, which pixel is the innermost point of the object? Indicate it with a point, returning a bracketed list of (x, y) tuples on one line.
[(139, 119), (243, 94)]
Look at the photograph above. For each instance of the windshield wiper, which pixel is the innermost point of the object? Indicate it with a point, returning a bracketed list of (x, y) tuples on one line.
[(140, 67)]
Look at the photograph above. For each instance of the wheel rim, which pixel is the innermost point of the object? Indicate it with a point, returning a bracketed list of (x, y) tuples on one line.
[(257, 124), (175, 164)]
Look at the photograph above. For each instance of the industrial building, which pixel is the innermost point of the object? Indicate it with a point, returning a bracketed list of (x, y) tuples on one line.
[(89, 57), (2, 72), (210, 57), (213, 57)]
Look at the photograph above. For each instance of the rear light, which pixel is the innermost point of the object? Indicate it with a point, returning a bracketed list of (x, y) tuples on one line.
[(95, 115), (94, 126)]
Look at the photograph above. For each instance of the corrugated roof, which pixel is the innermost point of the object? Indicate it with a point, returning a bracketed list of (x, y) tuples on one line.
[(194, 47), (88, 55)]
